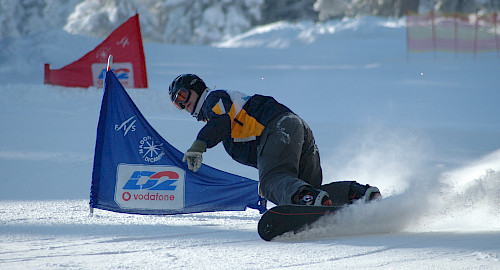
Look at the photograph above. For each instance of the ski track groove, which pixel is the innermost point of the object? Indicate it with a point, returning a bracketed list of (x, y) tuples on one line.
[(351, 256)]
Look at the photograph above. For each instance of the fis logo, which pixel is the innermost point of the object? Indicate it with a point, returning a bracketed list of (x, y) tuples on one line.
[(124, 42), (127, 125), (156, 180)]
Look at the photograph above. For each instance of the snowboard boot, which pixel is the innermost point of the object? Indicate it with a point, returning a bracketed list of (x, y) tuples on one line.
[(365, 193), (307, 195)]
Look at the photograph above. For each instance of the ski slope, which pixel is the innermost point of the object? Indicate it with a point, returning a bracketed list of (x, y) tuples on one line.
[(424, 128)]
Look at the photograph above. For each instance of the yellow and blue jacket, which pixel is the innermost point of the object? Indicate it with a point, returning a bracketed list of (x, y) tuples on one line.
[(237, 120)]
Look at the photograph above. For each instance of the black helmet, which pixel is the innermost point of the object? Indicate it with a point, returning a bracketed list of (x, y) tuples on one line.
[(188, 82)]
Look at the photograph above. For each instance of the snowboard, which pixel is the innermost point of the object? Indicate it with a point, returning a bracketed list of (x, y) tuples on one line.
[(291, 218)]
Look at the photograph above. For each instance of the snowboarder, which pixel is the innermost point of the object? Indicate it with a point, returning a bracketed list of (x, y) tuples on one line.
[(260, 132)]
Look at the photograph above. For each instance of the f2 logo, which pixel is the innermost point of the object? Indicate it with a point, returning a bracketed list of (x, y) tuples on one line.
[(154, 181)]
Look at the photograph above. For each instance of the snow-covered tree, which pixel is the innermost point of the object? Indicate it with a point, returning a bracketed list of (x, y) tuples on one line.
[(172, 21), (98, 18), (200, 21), (288, 10), (26, 17), (330, 9), (463, 6)]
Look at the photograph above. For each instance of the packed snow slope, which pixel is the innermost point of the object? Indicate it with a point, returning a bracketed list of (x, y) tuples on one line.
[(424, 128)]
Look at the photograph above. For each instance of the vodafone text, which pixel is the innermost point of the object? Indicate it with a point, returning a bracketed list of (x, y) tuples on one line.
[(126, 196)]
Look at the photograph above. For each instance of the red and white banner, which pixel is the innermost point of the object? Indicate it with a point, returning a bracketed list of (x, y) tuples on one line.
[(129, 65)]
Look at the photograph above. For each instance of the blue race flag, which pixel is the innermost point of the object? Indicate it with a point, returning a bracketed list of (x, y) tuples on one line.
[(136, 171)]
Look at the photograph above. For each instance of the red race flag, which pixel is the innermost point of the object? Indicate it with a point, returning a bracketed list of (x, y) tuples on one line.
[(129, 65)]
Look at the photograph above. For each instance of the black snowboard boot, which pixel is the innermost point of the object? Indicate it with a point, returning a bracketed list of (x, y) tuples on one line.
[(365, 193), (308, 195)]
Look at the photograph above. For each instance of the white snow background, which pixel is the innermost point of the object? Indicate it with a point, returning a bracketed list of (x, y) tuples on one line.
[(424, 128)]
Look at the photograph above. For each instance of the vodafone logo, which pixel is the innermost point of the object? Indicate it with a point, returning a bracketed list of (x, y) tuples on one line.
[(149, 187), (126, 196)]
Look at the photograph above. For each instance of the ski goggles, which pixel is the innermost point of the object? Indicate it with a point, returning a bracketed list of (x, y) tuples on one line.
[(181, 97)]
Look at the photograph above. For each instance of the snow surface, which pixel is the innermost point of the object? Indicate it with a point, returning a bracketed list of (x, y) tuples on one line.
[(424, 128)]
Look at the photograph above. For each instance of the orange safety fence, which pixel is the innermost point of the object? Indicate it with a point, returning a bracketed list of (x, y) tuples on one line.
[(459, 33)]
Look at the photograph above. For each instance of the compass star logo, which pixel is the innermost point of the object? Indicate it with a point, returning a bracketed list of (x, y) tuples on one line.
[(150, 150), (103, 53)]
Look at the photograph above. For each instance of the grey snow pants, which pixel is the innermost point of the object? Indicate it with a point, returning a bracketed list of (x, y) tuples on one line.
[(287, 158)]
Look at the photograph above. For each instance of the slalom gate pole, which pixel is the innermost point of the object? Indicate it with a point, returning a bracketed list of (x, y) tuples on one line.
[(110, 61)]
